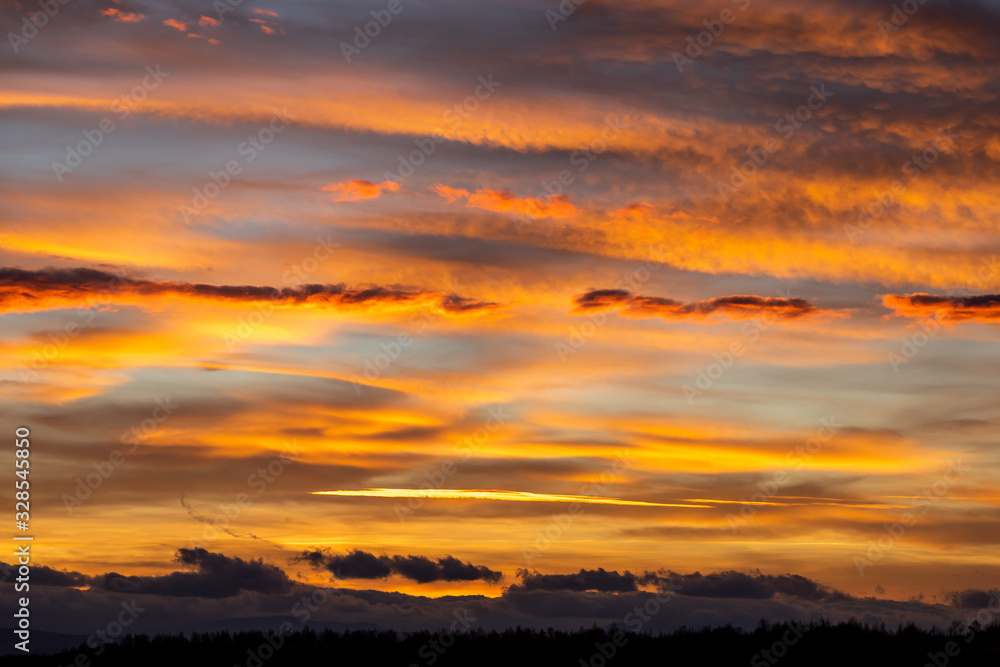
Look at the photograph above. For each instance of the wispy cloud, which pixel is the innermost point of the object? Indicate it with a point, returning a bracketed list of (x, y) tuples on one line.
[(507, 496)]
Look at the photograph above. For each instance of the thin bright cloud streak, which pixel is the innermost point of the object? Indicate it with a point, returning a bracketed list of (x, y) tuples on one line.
[(483, 494)]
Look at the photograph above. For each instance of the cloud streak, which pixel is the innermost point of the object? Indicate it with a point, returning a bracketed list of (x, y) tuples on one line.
[(354, 189), (736, 307), (505, 496), (981, 308), (48, 289), (504, 201)]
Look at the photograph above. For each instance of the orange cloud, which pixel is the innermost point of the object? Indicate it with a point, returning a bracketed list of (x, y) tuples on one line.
[(737, 307), (124, 17), (174, 23), (354, 189), (208, 21), (503, 201), (265, 12), (981, 308), (264, 27)]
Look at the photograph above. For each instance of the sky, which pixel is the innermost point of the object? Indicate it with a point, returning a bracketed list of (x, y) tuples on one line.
[(531, 304)]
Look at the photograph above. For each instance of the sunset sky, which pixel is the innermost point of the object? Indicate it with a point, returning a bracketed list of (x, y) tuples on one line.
[(506, 286)]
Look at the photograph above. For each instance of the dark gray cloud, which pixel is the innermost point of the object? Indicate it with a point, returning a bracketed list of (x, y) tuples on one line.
[(217, 576), (354, 565), (731, 584), (972, 598), (46, 576), (359, 564), (449, 568), (755, 586), (584, 580)]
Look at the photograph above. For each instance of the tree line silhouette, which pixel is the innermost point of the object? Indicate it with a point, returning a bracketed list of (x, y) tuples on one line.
[(816, 644)]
